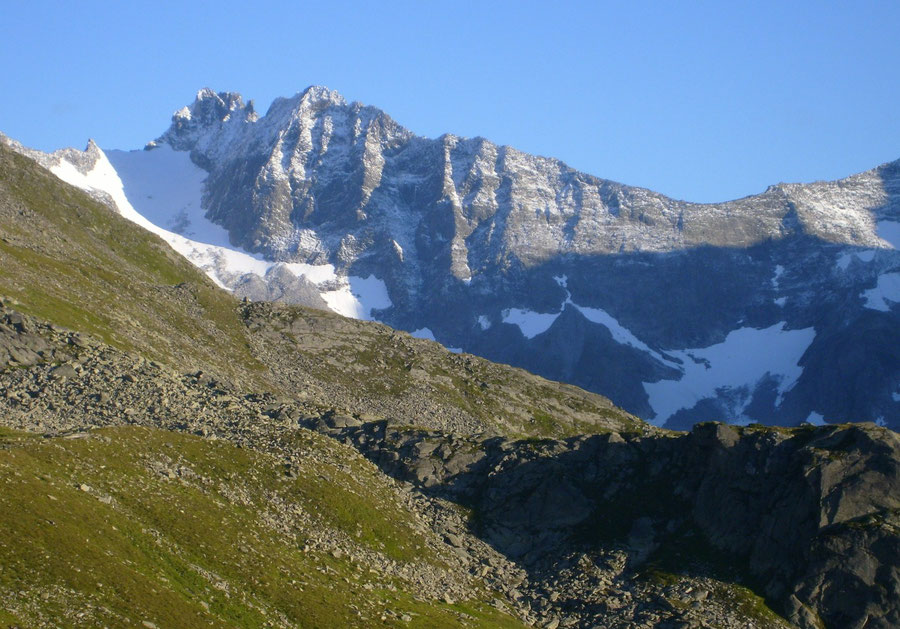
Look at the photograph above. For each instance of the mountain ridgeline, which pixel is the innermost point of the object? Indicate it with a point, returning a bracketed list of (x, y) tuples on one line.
[(659, 304)]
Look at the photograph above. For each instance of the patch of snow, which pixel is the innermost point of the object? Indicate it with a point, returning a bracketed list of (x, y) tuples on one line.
[(530, 323), (738, 363), (427, 334), (896, 396), (815, 419), (315, 273), (880, 422), (423, 333), (843, 261), (620, 333), (484, 322), (398, 249), (889, 231), (359, 297), (779, 270), (562, 280), (781, 301), (166, 188), (886, 290)]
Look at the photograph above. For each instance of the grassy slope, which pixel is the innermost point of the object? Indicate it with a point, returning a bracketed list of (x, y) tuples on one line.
[(68, 259), (94, 535)]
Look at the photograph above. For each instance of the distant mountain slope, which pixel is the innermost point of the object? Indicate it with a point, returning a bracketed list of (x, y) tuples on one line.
[(678, 312)]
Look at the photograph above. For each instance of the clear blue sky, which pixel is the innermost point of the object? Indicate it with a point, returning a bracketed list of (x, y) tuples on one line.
[(700, 101)]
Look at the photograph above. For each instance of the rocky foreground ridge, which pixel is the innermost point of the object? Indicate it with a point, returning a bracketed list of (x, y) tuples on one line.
[(610, 530)]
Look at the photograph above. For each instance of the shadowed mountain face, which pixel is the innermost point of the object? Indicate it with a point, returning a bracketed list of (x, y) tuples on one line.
[(776, 308)]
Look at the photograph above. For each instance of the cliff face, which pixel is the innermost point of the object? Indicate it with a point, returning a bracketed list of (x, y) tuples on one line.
[(347, 171)]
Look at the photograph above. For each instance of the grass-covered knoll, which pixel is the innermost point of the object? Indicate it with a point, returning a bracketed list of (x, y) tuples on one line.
[(132, 525), (71, 260)]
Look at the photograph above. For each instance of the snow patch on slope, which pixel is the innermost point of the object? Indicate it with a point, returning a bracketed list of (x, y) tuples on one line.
[(161, 190), (531, 323), (423, 333), (359, 297), (776, 278), (886, 292), (866, 255), (741, 361), (815, 419), (428, 335), (620, 333), (176, 205), (889, 231), (315, 273)]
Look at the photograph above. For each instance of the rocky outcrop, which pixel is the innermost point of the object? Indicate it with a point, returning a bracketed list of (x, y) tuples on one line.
[(809, 514)]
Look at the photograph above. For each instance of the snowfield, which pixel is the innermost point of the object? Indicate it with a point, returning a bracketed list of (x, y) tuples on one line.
[(889, 231), (735, 366), (531, 323), (359, 298), (885, 293), (162, 190)]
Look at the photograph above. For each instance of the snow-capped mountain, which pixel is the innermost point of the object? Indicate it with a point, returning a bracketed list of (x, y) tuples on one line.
[(778, 308)]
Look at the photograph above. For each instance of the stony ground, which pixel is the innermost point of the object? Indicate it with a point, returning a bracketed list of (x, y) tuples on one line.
[(499, 515)]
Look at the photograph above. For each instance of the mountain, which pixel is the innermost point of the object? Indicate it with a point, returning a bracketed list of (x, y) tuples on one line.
[(173, 457), (778, 308)]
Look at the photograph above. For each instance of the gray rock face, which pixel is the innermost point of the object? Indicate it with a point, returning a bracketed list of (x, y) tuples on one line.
[(349, 171)]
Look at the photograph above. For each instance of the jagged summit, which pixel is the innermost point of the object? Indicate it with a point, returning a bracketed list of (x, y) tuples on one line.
[(314, 97), (211, 106)]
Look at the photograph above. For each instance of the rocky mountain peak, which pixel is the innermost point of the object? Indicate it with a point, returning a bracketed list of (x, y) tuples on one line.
[(201, 123), (317, 96), (306, 105), (210, 106)]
